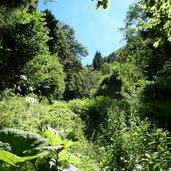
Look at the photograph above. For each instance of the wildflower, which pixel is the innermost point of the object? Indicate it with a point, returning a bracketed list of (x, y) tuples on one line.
[(31, 100), (23, 77)]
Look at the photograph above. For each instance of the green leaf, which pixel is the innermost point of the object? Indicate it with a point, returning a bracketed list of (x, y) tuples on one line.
[(8, 157), (21, 141), (63, 155), (71, 168), (156, 44), (53, 139), (148, 155), (74, 160), (12, 159), (68, 143)]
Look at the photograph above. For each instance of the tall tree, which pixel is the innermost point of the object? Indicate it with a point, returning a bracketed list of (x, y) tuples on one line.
[(97, 60), (63, 43), (152, 58), (24, 51), (63, 40)]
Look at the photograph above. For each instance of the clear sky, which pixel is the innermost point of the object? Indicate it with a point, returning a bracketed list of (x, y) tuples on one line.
[(95, 29)]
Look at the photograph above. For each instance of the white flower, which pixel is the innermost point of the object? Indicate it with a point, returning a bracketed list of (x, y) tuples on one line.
[(31, 88), (31, 100), (23, 77)]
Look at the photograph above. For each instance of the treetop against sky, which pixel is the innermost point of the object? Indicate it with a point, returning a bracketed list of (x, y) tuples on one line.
[(95, 29)]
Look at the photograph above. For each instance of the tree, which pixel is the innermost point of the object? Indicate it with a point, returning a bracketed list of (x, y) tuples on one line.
[(45, 76), (25, 52), (97, 60), (22, 39), (159, 16), (63, 40), (151, 57), (87, 81), (76, 48), (69, 51), (16, 3), (103, 3), (110, 58), (11, 4), (23, 36)]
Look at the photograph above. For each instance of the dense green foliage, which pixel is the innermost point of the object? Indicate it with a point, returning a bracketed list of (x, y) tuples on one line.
[(28, 114), (113, 115), (51, 82), (28, 150)]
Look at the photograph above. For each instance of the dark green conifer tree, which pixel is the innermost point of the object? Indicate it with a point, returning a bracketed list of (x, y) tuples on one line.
[(97, 60)]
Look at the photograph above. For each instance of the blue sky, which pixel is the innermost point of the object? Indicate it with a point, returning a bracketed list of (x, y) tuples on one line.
[(95, 29)]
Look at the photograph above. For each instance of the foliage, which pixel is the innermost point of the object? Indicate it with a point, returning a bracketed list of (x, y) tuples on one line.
[(152, 63), (15, 3), (97, 61), (85, 82), (57, 153), (94, 113), (103, 3), (134, 146), (25, 115), (106, 68), (51, 82), (21, 141), (108, 130), (110, 86), (76, 48), (64, 43), (159, 17), (23, 37), (125, 81), (124, 141)]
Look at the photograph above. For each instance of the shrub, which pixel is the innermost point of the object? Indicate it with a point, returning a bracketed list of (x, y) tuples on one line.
[(133, 145), (45, 74)]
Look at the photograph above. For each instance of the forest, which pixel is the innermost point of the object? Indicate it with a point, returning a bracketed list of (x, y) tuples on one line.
[(58, 115)]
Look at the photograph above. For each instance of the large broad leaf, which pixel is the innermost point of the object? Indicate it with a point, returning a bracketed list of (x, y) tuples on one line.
[(12, 159), (68, 135), (21, 141), (53, 138), (58, 137)]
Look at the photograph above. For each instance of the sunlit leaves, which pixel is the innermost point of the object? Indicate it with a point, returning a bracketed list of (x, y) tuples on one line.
[(55, 155), (159, 12), (12, 159), (45, 74)]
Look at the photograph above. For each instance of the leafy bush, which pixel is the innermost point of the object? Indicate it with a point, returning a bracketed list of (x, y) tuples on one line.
[(45, 75), (23, 36), (94, 112), (132, 144)]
